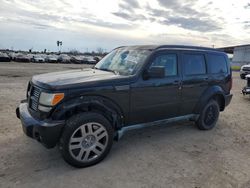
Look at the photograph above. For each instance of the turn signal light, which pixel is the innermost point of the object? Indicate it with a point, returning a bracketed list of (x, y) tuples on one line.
[(57, 98)]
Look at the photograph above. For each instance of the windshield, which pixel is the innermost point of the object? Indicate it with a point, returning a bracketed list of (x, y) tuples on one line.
[(124, 61)]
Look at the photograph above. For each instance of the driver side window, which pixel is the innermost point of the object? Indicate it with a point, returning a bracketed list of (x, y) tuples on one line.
[(169, 61)]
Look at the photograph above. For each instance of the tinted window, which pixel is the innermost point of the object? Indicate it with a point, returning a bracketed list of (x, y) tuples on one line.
[(217, 63), (194, 64), (169, 61)]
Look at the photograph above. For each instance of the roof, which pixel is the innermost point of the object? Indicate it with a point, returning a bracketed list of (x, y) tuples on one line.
[(177, 47)]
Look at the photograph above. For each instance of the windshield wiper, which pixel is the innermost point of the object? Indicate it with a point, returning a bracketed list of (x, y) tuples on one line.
[(108, 70)]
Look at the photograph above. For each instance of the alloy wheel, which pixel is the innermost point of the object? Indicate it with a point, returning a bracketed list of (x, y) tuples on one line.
[(88, 142)]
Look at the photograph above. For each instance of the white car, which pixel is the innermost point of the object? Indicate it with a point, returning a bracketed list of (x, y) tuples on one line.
[(244, 70), (38, 59), (64, 58), (51, 58), (246, 89)]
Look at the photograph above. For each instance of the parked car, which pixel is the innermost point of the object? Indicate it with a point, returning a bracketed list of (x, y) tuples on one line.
[(244, 70), (64, 58), (51, 59), (89, 60), (246, 89), (13, 55), (97, 58), (84, 110), (77, 59), (22, 58), (4, 57), (38, 59)]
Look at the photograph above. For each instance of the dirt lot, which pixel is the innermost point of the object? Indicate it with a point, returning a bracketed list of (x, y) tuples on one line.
[(178, 155)]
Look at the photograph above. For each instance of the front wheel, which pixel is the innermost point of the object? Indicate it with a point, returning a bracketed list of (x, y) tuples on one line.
[(86, 140), (208, 116), (242, 76)]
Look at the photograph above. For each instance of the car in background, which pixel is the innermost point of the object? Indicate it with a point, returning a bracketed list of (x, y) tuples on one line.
[(51, 59), (89, 60), (38, 59), (22, 58), (13, 55), (4, 57), (64, 58), (246, 89), (97, 58), (244, 70), (77, 59)]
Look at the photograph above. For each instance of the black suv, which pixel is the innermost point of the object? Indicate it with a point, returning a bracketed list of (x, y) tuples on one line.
[(84, 110)]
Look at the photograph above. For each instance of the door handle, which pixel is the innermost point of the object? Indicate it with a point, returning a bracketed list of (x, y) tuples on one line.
[(206, 78), (178, 82)]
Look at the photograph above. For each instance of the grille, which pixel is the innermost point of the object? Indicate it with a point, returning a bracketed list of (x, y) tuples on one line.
[(34, 97), (33, 105), (246, 69)]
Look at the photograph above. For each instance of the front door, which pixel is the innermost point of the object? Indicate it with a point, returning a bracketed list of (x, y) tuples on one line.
[(157, 98)]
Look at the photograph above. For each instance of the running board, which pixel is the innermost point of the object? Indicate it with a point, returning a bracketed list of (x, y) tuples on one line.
[(123, 130)]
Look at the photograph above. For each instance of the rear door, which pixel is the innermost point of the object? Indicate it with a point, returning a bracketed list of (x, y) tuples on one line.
[(219, 71), (195, 79)]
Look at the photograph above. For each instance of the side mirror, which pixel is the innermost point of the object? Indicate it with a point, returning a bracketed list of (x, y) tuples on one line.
[(154, 72)]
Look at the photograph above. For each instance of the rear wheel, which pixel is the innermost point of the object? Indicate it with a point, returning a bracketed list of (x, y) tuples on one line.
[(86, 140), (209, 115)]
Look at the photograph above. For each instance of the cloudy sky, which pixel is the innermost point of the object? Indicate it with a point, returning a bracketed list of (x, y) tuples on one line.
[(89, 24)]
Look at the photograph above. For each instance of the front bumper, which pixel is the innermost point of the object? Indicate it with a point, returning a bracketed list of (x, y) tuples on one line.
[(244, 73), (47, 132), (246, 91), (228, 99)]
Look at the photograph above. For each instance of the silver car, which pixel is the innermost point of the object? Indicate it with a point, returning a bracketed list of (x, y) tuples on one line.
[(39, 59)]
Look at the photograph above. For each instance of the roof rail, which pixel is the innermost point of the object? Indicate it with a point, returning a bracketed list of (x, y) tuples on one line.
[(186, 47)]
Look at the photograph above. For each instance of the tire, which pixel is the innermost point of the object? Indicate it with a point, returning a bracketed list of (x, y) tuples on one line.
[(242, 76), (86, 139), (208, 116)]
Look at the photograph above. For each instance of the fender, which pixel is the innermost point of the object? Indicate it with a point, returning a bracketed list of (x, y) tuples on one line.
[(90, 103), (207, 95)]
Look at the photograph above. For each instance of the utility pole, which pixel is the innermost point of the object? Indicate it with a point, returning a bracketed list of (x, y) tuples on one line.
[(59, 45)]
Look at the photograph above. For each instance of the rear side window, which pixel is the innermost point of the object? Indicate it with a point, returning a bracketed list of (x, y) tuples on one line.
[(194, 64), (169, 61), (217, 63)]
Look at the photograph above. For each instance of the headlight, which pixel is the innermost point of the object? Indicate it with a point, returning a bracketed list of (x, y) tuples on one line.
[(44, 108), (50, 99)]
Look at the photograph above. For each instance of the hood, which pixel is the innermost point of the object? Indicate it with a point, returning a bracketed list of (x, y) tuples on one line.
[(74, 78), (246, 66)]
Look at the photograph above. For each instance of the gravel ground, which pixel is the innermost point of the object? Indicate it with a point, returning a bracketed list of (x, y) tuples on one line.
[(178, 155)]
